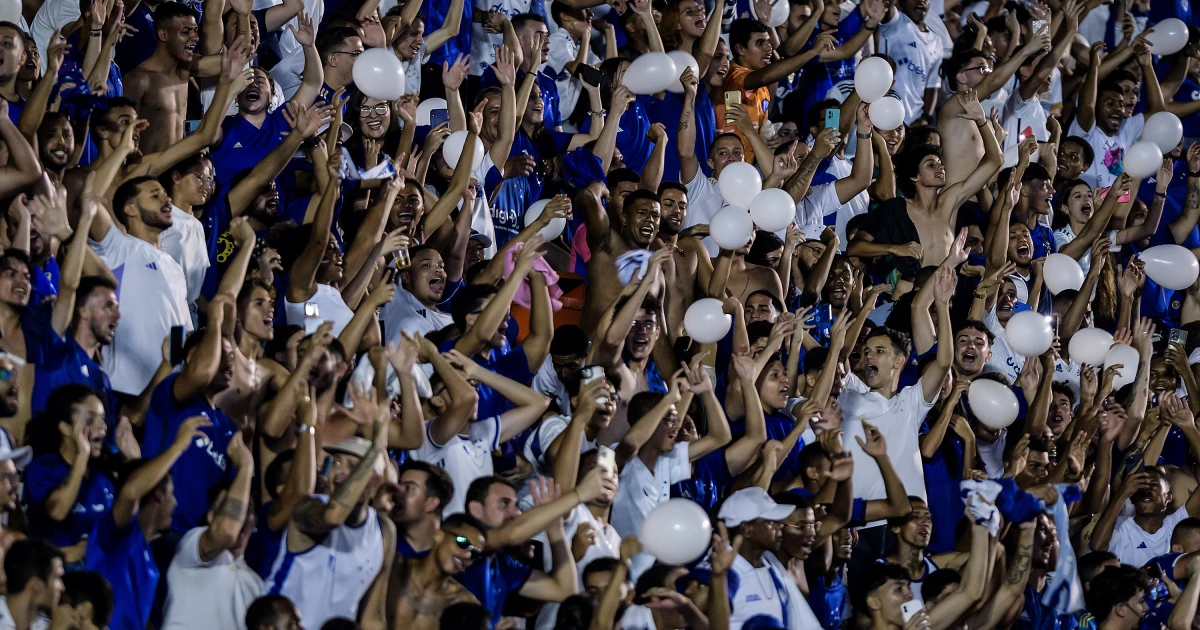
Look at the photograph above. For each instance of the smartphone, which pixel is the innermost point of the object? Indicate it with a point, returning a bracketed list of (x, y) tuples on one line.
[(589, 74), (1135, 464), (438, 116), (1112, 239), (176, 345), (1178, 337), (606, 458), (833, 118), (731, 98), (910, 608), (311, 310), (1039, 27), (312, 318), (682, 349), (1054, 324)]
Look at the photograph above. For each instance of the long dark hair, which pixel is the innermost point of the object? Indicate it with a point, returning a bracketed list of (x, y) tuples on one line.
[(44, 435)]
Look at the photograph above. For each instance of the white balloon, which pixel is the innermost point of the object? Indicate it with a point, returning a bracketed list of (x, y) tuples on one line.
[(677, 532), (682, 60), (1143, 159), (1163, 129), (1171, 266), (10, 11), (779, 13), (550, 232), (1029, 333), (453, 146), (886, 113), (1089, 345), (706, 322), (992, 403), (773, 209), (1061, 273), (650, 73), (378, 74), (739, 183), (1168, 37), (872, 79), (1128, 358), (427, 106), (731, 228)]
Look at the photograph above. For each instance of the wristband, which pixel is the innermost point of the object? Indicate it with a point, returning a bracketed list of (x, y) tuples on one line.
[(1193, 173), (863, 136), (1158, 195), (599, 112), (96, 32), (980, 295), (306, 428), (871, 28)]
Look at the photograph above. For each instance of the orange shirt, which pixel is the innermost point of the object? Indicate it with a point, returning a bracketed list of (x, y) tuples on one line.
[(756, 102)]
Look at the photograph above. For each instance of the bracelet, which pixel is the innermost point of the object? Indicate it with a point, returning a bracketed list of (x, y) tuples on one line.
[(863, 136), (980, 295), (1158, 195), (871, 28), (1193, 173), (306, 428), (981, 124), (96, 32), (599, 112)]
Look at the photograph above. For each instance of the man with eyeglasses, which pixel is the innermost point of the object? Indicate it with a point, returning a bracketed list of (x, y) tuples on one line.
[(1117, 598), (338, 47), (421, 589)]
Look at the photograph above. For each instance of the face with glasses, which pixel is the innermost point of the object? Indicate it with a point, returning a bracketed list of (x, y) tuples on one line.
[(667, 431), (642, 335), (800, 533), (194, 186), (374, 118), (460, 547), (973, 73), (341, 61)]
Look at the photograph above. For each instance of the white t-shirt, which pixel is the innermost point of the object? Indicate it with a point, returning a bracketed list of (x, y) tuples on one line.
[(992, 455), (330, 306), (483, 43), (547, 383), (184, 241), (152, 291), (330, 579), (213, 594), (768, 590), (543, 436), (288, 72), (405, 313), (1133, 545), (1004, 360), (1110, 150), (1063, 236), (1020, 114), (899, 420), (8, 623), (918, 55), (820, 201), (641, 490), (564, 50), (704, 200), (607, 545), (412, 70), (464, 458), (53, 15)]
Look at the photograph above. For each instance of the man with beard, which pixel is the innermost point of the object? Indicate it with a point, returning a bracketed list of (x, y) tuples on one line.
[(159, 86), (207, 371), (424, 491), (152, 287), (420, 590), (689, 265), (338, 550), (637, 227), (416, 306), (56, 145), (764, 586), (119, 548), (912, 532)]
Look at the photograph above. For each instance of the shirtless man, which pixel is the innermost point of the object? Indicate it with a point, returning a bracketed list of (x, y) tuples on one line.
[(932, 208), (734, 276), (421, 589), (970, 70), (689, 264), (159, 86)]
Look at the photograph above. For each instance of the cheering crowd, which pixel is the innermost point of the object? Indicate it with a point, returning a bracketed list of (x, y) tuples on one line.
[(432, 314)]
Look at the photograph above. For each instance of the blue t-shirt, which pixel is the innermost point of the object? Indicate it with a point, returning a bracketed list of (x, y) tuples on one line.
[(65, 362), (123, 556), (512, 364), (709, 482), (492, 579), (243, 145), (137, 46), (1039, 616), (204, 463), (668, 111), (635, 147), (44, 281), (943, 475), (94, 500), (264, 544), (435, 15), (546, 82), (830, 600), (818, 77)]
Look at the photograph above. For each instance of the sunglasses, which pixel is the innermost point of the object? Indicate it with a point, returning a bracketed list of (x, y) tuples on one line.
[(6, 374), (464, 543)]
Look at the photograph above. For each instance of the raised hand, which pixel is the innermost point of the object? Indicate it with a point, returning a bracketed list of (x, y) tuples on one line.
[(305, 33), (505, 66), (875, 445), (724, 551), (972, 110)]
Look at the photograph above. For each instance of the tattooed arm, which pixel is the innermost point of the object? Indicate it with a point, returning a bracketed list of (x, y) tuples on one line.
[(223, 530), (1182, 227), (1000, 608)]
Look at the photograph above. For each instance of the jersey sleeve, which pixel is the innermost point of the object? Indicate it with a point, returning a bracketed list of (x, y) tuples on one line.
[(486, 431)]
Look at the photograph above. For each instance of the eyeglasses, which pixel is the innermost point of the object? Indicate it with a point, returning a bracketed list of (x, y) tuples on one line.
[(352, 53), (648, 325), (380, 109), (6, 374), (980, 69), (464, 543)]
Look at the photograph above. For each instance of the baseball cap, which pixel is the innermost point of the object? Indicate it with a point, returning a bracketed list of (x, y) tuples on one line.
[(19, 456), (476, 235), (749, 504), (352, 445)]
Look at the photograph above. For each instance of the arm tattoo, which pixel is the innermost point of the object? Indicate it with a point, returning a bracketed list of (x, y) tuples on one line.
[(1019, 571), (233, 509), (686, 119), (341, 497), (1193, 196)]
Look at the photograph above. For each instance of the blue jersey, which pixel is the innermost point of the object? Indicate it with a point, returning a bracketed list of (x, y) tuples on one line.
[(491, 580), (243, 145), (92, 503), (635, 147), (265, 544), (123, 556), (830, 600), (709, 482), (44, 281), (512, 364), (818, 77), (943, 474), (668, 111), (65, 362), (435, 15), (204, 463)]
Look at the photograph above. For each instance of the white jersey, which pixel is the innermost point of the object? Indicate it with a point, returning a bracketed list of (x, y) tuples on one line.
[(640, 490), (1004, 360), (483, 43), (229, 586), (464, 458), (330, 307), (185, 243), (918, 55), (152, 291), (330, 579), (704, 200), (1109, 150)]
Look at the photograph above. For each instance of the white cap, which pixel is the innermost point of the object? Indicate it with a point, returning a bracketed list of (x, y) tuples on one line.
[(749, 504)]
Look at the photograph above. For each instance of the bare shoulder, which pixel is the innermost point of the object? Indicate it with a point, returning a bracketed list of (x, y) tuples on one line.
[(458, 594)]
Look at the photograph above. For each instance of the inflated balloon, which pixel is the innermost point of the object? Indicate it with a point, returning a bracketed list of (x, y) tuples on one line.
[(992, 403), (682, 60), (773, 209), (1127, 357), (1143, 159), (378, 74), (650, 73), (1164, 130), (453, 146), (872, 79), (886, 113), (427, 106), (731, 228), (706, 321), (550, 232), (1171, 266), (677, 532), (1167, 37), (1090, 345), (1062, 273), (10, 10), (1029, 333), (779, 13), (739, 184)]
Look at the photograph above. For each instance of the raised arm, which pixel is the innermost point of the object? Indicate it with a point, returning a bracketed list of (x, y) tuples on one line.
[(487, 322), (224, 529), (530, 405), (593, 485), (685, 144), (77, 248), (506, 72), (1085, 113), (974, 579), (200, 368), (642, 428), (39, 100), (1094, 227), (314, 73), (779, 70), (705, 47), (302, 474), (718, 434), (931, 379), (147, 476), (315, 518), (645, 10), (449, 29), (864, 162), (993, 155), (302, 283)]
